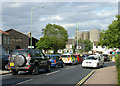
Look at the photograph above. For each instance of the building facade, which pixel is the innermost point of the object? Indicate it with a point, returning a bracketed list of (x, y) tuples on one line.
[(69, 47), (4, 43), (18, 40)]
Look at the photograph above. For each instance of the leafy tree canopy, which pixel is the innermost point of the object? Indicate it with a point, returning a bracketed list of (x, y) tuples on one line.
[(55, 37), (111, 37)]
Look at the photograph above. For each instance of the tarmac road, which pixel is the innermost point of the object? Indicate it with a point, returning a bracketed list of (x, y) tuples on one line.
[(70, 74)]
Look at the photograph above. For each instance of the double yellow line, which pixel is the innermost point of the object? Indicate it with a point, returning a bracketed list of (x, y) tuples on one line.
[(85, 78)]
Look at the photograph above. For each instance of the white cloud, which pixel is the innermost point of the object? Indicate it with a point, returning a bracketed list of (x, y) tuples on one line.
[(16, 5), (68, 25), (57, 18)]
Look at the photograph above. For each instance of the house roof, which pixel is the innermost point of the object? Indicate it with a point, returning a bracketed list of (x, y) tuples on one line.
[(19, 32), (3, 32)]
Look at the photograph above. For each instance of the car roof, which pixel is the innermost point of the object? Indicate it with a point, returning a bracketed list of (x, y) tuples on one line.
[(53, 55), (67, 54), (93, 55)]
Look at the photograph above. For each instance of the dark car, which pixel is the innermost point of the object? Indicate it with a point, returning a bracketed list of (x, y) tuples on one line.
[(28, 60), (84, 56), (106, 57), (4, 60), (56, 61)]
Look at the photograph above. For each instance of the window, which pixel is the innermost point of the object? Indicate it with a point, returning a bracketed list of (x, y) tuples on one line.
[(5, 39), (96, 46), (57, 58), (70, 46), (37, 53), (8, 41)]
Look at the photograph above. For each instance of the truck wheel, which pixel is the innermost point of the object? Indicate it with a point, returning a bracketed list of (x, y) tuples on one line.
[(14, 72), (35, 70)]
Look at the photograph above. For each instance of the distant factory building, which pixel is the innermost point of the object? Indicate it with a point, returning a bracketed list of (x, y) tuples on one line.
[(94, 35), (85, 35)]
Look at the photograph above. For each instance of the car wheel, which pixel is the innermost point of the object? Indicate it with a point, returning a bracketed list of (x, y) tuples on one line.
[(56, 66), (48, 68), (62, 65), (97, 66), (35, 70), (14, 72)]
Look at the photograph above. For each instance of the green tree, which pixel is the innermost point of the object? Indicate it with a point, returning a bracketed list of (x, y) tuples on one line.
[(55, 35), (88, 45), (44, 43), (111, 37)]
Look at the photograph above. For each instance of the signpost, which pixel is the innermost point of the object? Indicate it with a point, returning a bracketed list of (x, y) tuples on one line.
[(30, 46)]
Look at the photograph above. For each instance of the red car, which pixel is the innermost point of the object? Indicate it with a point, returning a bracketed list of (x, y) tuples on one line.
[(79, 58)]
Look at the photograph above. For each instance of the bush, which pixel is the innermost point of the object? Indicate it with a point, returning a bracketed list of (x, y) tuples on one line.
[(117, 63)]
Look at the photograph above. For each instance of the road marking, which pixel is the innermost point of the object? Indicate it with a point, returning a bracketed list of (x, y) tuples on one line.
[(85, 78), (22, 82), (52, 72)]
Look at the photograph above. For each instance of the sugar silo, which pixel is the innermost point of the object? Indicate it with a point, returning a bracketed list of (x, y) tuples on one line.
[(85, 35), (80, 36), (94, 35)]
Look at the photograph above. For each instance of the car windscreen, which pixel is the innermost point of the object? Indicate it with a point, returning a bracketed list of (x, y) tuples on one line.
[(105, 55), (65, 56), (51, 57), (85, 55), (91, 58), (20, 52)]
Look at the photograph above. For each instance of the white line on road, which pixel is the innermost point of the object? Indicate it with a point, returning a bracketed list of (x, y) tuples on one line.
[(52, 72), (22, 82)]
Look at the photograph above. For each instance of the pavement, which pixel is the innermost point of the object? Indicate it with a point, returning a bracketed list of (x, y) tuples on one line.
[(106, 75), (3, 72)]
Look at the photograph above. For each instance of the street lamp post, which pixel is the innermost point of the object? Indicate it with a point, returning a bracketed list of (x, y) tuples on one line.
[(31, 21), (77, 38)]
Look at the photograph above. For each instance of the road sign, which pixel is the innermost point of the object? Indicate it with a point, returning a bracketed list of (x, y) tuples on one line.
[(30, 46)]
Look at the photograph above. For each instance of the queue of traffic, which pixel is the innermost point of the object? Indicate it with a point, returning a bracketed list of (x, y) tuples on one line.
[(33, 59)]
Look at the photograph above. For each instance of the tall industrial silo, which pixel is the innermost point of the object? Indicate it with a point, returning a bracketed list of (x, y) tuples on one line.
[(80, 36), (94, 35), (86, 35)]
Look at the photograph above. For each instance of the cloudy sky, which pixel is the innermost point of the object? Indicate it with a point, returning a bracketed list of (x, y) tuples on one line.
[(84, 15)]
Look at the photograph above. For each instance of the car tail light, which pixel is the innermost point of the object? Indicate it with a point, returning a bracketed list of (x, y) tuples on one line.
[(54, 61), (28, 55), (105, 57), (9, 57), (68, 59), (20, 49), (29, 65), (29, 58)]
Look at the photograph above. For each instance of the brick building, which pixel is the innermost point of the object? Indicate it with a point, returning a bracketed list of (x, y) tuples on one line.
[(4, 43), (19, 40)]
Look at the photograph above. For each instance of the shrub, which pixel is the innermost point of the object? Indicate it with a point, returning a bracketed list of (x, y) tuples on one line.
[(117, 63)]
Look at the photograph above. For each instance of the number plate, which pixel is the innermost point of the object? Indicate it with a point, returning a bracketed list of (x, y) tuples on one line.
[(11, 64)]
